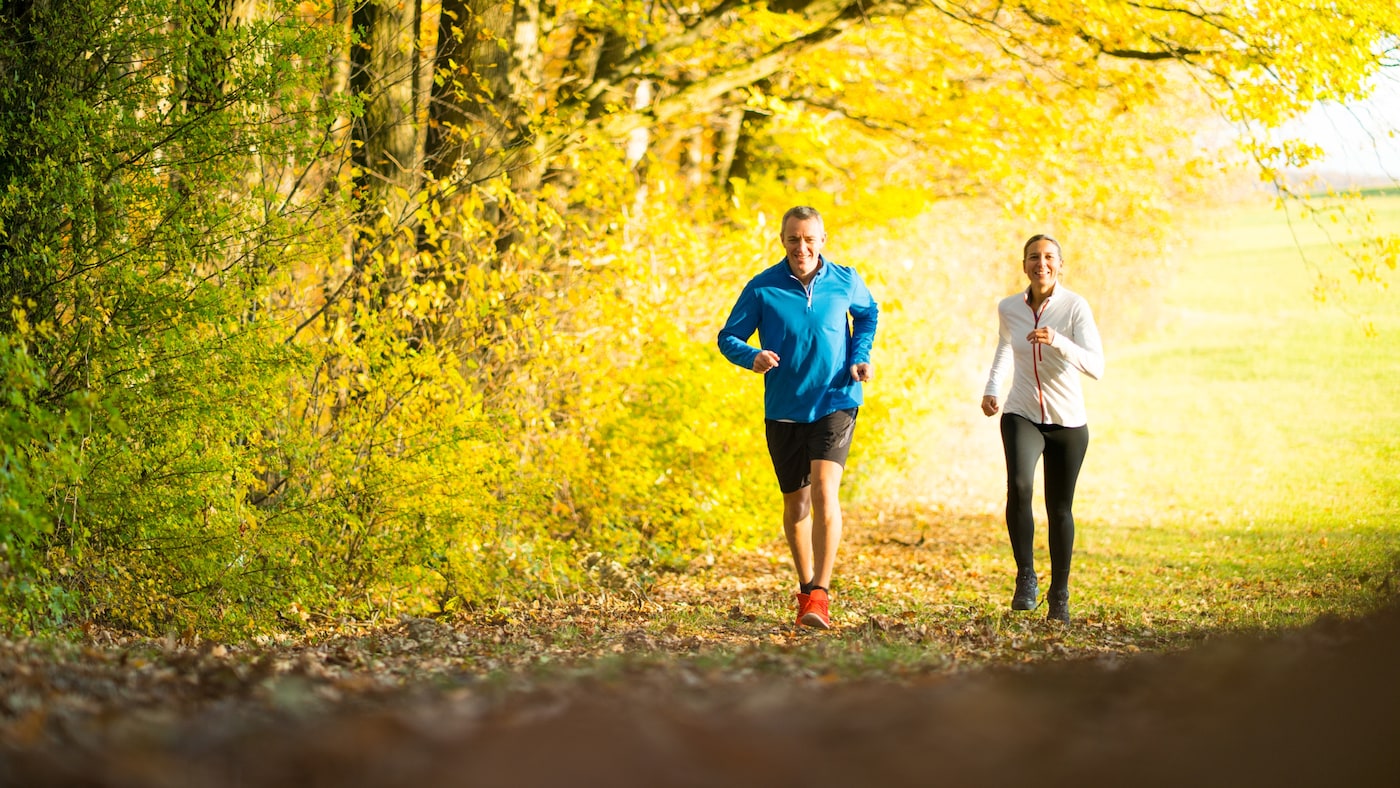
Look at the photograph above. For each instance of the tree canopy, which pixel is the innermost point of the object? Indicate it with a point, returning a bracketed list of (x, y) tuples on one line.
[(332, 307)]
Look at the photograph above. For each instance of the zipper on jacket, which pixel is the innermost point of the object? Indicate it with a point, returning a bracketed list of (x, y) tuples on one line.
[(806, 289), (1036, 357)]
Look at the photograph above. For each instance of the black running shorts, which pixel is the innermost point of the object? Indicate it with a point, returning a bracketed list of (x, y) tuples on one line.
[(794, 445)]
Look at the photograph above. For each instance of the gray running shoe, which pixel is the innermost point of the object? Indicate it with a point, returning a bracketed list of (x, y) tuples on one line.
[(1058, 602), (1026, 590)]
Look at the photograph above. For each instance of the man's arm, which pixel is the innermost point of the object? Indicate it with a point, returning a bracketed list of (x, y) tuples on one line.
[(865, 316), (742, 323)]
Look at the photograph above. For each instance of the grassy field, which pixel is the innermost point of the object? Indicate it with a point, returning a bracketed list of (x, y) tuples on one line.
[(1246, 464)]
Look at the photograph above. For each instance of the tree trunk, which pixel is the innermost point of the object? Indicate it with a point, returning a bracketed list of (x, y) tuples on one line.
[(727, 137), (472, 117), (385, 77), (489, 71)]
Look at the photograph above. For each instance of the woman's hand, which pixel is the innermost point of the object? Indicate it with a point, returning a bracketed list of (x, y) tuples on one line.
[(989, 405)]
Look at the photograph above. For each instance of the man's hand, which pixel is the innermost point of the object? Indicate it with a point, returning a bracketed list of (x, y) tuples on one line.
[(764, 361), (862, 372)]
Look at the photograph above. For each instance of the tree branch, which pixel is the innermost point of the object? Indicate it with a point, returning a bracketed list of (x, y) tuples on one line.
[(701, 94)]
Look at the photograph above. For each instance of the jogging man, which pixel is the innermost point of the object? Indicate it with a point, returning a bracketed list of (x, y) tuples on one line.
[(816, 324)]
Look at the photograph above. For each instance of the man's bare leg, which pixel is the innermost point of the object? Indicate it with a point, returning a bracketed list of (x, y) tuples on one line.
[(797, 527), (825, 525)]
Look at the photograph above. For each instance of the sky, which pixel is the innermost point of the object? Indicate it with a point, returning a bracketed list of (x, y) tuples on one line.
[(1362, 139)]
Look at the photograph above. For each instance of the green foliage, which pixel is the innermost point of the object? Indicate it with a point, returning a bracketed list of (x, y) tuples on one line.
[(285, 337), (669, 466), (135, 257), (402, 487), (40, 458)]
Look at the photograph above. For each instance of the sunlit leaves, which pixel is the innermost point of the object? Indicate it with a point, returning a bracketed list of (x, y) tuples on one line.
[(263, 370), (145, 275)]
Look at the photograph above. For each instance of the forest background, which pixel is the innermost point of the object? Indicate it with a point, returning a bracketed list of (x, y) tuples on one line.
[(327, 309)]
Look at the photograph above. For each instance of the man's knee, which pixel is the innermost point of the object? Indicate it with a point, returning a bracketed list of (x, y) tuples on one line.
[(797, 505)]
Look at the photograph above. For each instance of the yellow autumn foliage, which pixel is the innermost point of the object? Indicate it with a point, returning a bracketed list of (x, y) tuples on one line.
[(403, 311)]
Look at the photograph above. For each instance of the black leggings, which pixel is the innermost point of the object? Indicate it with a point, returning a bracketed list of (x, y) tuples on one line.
[(1063, 449)]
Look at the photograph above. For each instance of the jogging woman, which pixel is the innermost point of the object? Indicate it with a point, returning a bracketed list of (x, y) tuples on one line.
[(1046, 338)]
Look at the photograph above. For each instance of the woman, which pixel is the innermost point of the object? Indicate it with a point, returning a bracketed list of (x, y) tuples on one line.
[(1046, 337)]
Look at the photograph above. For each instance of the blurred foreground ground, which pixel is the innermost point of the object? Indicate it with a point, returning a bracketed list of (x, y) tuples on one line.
[(742, 699), (1314, 707)]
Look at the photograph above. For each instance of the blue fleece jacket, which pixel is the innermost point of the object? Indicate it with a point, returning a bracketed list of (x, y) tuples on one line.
[(818, 332)]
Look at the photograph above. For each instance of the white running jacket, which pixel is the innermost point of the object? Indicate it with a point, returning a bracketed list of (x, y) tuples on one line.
[(1045, 379)]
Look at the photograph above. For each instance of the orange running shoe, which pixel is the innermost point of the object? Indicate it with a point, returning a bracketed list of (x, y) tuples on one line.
[(804, 601), (815, 613)]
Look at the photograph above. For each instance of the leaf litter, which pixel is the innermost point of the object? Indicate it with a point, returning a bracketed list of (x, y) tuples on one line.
[(702, 679)]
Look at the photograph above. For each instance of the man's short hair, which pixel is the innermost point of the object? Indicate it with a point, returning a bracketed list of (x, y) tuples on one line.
[(802, 213)]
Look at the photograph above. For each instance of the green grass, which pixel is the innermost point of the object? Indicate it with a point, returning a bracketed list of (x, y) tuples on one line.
[(1374, 191), (1245, 469)]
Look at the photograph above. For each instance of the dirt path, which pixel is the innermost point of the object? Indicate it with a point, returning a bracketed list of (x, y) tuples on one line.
[(599, 692)]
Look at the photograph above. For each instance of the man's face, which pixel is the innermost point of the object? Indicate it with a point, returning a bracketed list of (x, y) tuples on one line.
[(803, 240)]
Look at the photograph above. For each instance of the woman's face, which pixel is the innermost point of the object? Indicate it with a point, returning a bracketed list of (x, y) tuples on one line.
[(1042, 263)]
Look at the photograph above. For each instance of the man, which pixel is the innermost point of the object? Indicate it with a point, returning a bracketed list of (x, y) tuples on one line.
[(816, 323)]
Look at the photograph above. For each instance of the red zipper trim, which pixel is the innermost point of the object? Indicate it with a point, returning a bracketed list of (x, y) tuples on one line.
[(1036, 357)]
